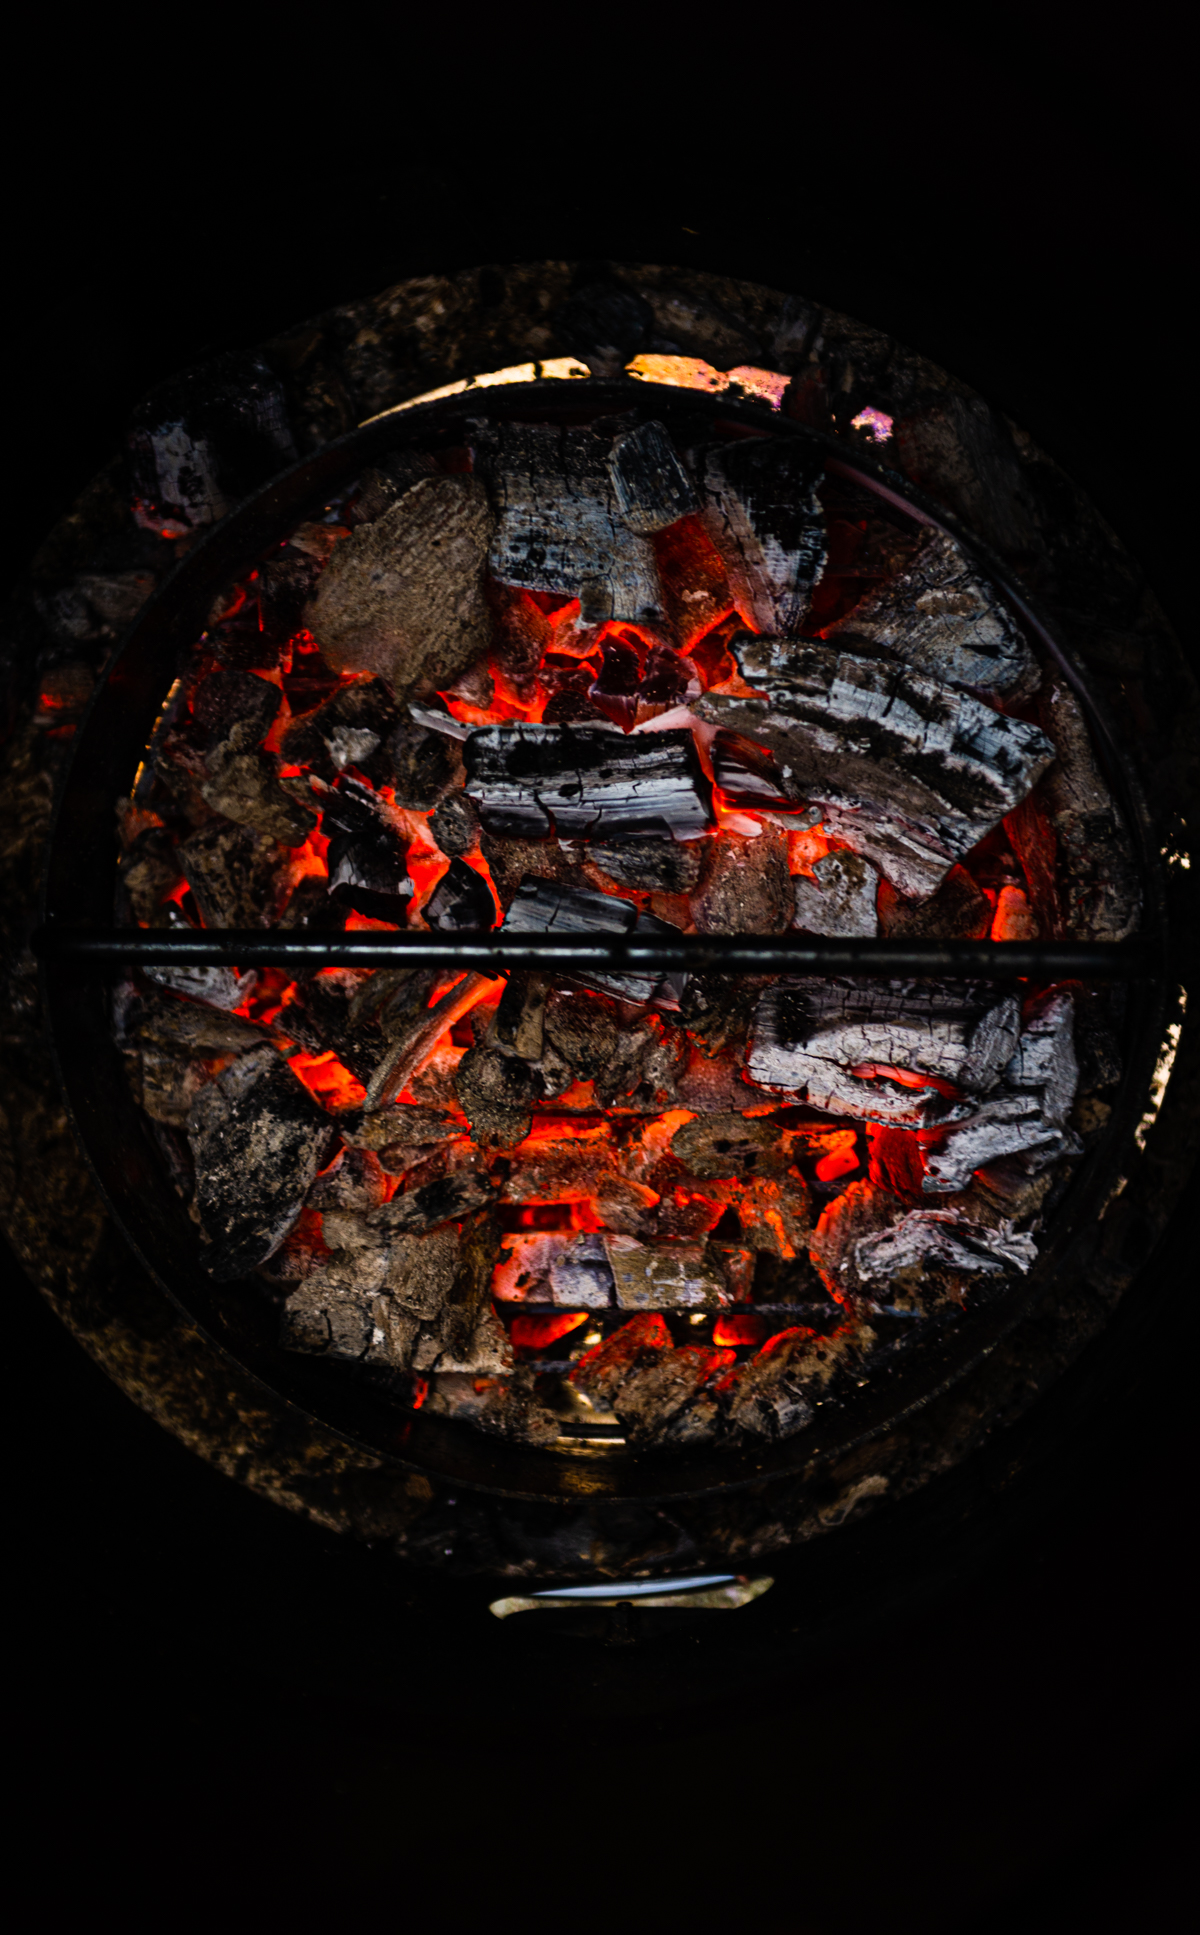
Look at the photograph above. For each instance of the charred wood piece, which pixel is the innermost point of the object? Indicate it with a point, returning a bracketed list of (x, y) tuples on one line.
[(746, 887), (763, 514), (403, 597), (585, 782), (946, 1236), (367, 857), (461, 899), (518, 1025), (729, 1145), (942, 618), (568, 1271), (774, 1395), (748, 775), (958, 911), (455, 825), (355, 1180), (912, 774), (655, 866), (665, 1276), (560, 527), (862, 1050), (1026, 1116), (238, 875), (257, 1139), (840, 898), (540, 907), (653, 1387), (504, 1407), (652, 487), (351, 728), (1097, 870)]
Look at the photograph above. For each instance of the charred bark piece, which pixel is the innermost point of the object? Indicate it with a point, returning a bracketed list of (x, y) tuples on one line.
[(586, 782), (238, 875), (367, 857), (840, 898), (856, 1049), (746, 887), (942, 618), (1097, 871), (560, 526), (922, 1236), (403, 597), (656, 866), (496, 1093), (461, 899), (257, 1140), (674, 1276), (652, 487), (912, 774), (958, 911), (455, 825), (351, 728), (763, 514)]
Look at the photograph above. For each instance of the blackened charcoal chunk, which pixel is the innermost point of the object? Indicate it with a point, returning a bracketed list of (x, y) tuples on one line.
[(604, 325), (446, 1199), (350, 729), (284, 587), (729, 1145), (367, 857), (775, 1393), (763, 514), (224, 700), (1096, 854), (959, 911), (311, 906), (560, 527), (461, 899), (355, 1181), (541, 907), (425, 765), (663, 866), (258, 1139), (495, 1093), (239, 876), (746, 887), (717, 1008), (207, 437), (586, 782), (748, 775), (647, 1382), (455, 824), (653, 488), (510, 861), (944, 620)]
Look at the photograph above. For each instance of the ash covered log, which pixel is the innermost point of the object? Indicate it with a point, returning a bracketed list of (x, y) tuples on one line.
[(939, 616), (560, 527), (922, 1236), (857, 1049), (403, 597), (840, 898), (257, 1139), (586, 782), (656, 1390), (763, 514), (653, 489), (912, 774)]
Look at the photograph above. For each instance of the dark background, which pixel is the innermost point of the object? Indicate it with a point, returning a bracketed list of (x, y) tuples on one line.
[(216, 1705)]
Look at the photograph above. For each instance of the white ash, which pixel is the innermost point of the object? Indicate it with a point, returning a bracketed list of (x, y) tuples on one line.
[(942, 1236)]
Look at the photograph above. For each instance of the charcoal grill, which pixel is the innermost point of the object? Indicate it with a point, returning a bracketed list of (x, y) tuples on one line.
[(78, 946)]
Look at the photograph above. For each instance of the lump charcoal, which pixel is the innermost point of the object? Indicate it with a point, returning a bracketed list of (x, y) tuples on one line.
[(167, 1085), (840, 899), (774, 1395), (668, 680), (775, 1215), (1027, 1115), (643, 1378), (225, 699), (403, 597), (496, 1093), (912, 774), (512, 861), (421, 1270), (422, 765), (349, 729), (149, 871), (243, 785), (257, 1139), (582, 1172), (355, 1181), (809, 1036), (518, 1025), (367, 858), (652, 487), (309, 906), (763, 514), (569, 1271), (396, 1124), (461, 899), (748, 775), (503, 1407), (716, 1084), (694, 580), (455, 825), (958, 911), (238, 875), (746, 887), (664, 1276), (336, 1311), (939, 616), (559, 526), (284, 586), (945, 1236), (185, 1028), (729, 1145), (580, 782), (542, 908), (467, 1335), (655, 866), (202, 440), (1097, 873), (717, 1009), (644, 1070), (448, 1199), (1045, 1055), (413, 1030), (218, 987)]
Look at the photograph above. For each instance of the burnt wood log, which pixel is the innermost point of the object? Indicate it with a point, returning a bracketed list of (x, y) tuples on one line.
[(774, 1395), (583, 782), (1026, 1115), (257, 1139), (923, 1236), (403, 597), (653, 489), (942, 618), (560, 528), (762, 512), (912, 774)]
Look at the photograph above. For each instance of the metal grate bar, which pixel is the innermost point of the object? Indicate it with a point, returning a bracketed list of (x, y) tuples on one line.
[(498, 953)]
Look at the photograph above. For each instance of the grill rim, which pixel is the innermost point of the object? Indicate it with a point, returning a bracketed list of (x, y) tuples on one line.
[(76, 1007)]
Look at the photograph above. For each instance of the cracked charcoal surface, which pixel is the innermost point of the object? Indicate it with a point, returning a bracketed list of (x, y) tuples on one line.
[(762, 512), (257, 1139), (584, 782)]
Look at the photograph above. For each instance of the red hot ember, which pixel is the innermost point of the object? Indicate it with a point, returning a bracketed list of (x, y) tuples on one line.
[(583, 680)]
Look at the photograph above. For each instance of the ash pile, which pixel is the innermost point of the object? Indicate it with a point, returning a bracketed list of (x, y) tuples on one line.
[(594, 680)]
